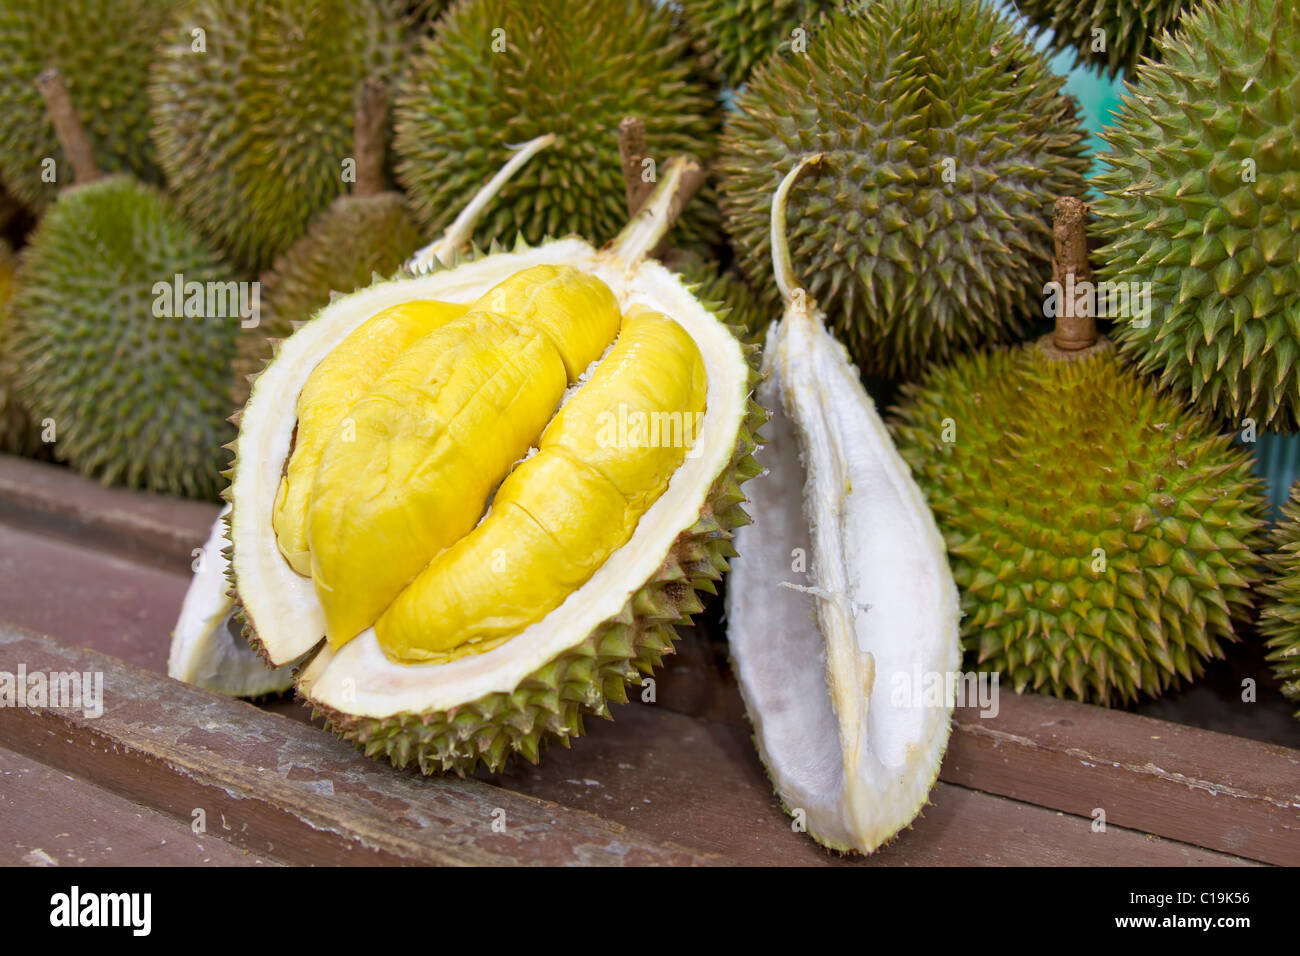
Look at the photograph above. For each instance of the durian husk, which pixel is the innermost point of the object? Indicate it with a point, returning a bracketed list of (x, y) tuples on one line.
[(540, 684), (1279, 620), (19, 434), (1131, 28)]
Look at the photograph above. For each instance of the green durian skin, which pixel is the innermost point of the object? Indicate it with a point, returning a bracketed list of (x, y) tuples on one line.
[(1202, 201), (254, 133), (733, 35), (1045, 463), (1279, 620), (574, 68), (902, 96), (1131, 28), (18, 433), (355, 239), (136, 399), (103, 49), (727, 294)]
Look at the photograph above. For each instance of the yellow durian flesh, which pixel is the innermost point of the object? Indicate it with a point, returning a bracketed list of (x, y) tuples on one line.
[(576, 309), (429, 441), (334, 386), (602, 462)]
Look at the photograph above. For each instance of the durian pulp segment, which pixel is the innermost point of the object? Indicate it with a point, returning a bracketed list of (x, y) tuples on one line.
[(205, 650), (429, 442), (600, 465), (834, 612), (337, 382)]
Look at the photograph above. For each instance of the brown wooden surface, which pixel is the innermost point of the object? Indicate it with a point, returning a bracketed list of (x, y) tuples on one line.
[(106, 569)]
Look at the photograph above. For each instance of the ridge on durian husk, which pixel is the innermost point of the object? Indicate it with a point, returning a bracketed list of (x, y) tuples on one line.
[(1279, 619), (96, 355), (733, 35), (1103, 538), (1202, 201), (347, 246), (1131, 27), (522, 693), (574, 68), (908, 267), (105, 48), (253, 133)]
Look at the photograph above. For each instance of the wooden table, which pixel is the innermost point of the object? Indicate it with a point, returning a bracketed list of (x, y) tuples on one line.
[(92, 580)]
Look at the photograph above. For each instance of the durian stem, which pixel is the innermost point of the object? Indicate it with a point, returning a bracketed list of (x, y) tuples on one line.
[(679, 180), (68, 126), (782, 263), (1070, 267), (458, 234), (368, 128), (631, 153)]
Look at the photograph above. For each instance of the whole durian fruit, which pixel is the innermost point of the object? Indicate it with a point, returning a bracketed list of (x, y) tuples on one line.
[(1103, 537), (365, 233), (1279, 620), (736, 34), (946, 137), (1202, 201), (253, 131), (1130, 28), (105, 47), (500, 72), (137, 390)]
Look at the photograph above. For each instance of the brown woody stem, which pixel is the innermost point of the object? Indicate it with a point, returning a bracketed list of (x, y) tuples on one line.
[(631, 153), (1069, 268), (368, 132), (68, 126)]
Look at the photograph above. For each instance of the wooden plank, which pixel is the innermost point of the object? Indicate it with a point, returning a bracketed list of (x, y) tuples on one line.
[(48, 818), (700, 783), (1196, 786), (53, 500), (288, 790)]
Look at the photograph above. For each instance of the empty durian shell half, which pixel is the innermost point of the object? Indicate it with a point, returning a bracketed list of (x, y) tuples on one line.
[(841, 600), (451, 715), (208, 646)]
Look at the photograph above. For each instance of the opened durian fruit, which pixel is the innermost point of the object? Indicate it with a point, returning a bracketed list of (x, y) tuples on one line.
[(483, 493), (841, 591)]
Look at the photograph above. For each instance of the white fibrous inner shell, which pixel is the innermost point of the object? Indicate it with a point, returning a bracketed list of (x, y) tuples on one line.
[(358, 678), (840, 601)]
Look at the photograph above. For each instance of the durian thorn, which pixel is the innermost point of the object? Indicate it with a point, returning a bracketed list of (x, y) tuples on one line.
[(68, 126), (679, 180), (792, 293), (368, 127), (1069, 269), (443, 250)]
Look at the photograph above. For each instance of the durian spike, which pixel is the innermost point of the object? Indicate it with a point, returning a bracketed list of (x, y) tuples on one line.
[(443, 251), (796, 298), (68, 126), (368, 137), (1070, 267), (681, 178)]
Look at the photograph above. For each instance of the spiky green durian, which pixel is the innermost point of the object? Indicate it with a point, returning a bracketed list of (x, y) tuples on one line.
[(18, 433), (903, 97), (499, 72), (253, 132), (349, 244), (1279, 618), (138, 393), (726, 290), (1129, 28), (736, 34), (105, 48), (1202, 201), (1103, 537)]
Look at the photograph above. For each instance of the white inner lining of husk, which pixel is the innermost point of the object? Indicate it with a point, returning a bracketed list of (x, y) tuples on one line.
[(358, 678)]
